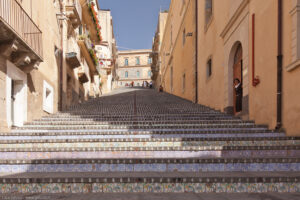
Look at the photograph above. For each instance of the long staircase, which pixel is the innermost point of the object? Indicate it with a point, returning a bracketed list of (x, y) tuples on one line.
[(141, 141)]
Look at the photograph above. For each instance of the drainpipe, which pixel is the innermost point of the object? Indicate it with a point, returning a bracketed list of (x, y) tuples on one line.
[(255, 80), (196, 63), (279, 68), (60, 106)]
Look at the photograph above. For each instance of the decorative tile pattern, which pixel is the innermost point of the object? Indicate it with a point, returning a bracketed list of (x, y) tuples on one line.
[(144, 135)]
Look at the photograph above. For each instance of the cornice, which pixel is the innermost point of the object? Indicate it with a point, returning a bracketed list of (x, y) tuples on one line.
[(234, 18)]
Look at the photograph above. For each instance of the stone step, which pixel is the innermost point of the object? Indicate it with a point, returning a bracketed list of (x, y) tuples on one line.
[(92, 113), (95, 122), (151, 165), (179, 116), (192, 145), (71, 148), (198, 141), (133, 135), (141, 182), (149, 154), (141, 126), (140, 131), (140, 119)]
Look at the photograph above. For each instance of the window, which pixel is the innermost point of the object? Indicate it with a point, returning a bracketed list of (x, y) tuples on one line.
[(126, 74), (149, 60), (138, 73), (209, 68), (183, 37), (48, 97), (137, 60), (126, 62), (149, 73), (208, 10), (183, 83), (80, 30)]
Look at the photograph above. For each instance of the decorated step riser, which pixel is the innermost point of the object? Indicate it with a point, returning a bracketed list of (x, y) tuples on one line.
[(35, 188), (144, 127), (84, 136), (110, 113), (91, 114), (206, 144), (154, 116), (246, 141), (214, 167), (146, 131), (167, 123), (149, 154), (126, 119)]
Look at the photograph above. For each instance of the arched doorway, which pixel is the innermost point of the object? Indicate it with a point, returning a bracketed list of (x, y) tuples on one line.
[(237, 74)]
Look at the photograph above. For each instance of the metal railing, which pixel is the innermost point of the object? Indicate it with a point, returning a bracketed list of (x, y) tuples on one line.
[(78, 8), (76, 4), (14, 16)]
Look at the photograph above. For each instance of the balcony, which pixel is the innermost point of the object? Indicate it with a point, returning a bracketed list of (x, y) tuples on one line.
[(74, 12), (87, 52), (82, 75), (89, 17), (73, 54), (20, 37)]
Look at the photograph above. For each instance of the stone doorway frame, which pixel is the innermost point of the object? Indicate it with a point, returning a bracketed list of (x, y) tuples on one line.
[(235, 32), (14, 73)]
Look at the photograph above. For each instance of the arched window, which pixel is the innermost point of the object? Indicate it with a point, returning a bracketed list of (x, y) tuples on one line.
[(138, 73), (126, 62), (208, 10), (137, 60), (149, 73), (126, 74)]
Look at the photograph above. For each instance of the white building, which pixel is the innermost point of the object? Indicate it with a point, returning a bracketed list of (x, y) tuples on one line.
[(105, 51)]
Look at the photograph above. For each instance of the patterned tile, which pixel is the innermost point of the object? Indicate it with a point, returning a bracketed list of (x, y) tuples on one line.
[(97, 188), (133, 187), (5, 188), (173, 187), (113, 187)]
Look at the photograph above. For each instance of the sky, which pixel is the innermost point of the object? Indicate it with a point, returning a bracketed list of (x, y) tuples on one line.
[(134, 21)]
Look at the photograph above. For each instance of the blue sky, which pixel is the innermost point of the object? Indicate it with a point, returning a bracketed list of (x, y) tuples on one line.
[(134, 21)]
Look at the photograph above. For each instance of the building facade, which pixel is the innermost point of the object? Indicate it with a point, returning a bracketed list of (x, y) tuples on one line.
[(134, 66), (177, 52), (157, 42), (254, 41), (26, 62), (106, 51), (45, 64)]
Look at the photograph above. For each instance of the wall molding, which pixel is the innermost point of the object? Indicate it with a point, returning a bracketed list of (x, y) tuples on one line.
[(234, 18)]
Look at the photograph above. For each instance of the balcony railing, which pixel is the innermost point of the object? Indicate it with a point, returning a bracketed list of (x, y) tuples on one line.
[(74, 11), (14, 16), (78, 8)]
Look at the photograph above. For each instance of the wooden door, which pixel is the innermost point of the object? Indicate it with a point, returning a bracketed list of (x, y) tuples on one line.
[(237, 72)]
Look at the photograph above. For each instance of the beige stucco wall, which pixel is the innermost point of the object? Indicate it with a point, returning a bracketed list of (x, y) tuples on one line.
[(177, 56), (232, 23), (3, 122), (43, 14), (291, 80)]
